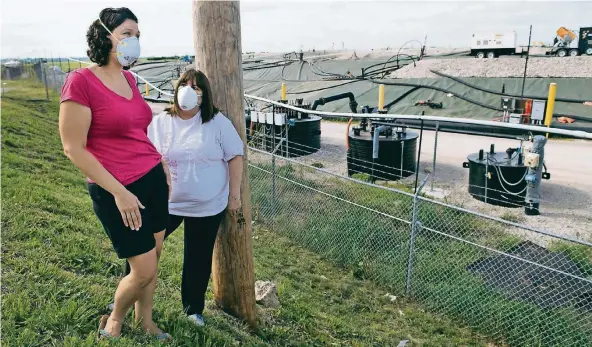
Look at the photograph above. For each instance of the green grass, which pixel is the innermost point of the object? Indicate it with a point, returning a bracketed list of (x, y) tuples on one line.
[(376, 247), (513, 217), (59, 270)]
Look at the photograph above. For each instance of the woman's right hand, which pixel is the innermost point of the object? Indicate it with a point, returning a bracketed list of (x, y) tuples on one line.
[(129, 207)]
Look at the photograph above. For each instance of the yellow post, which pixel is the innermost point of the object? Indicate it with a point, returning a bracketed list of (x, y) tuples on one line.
[(284, 90), (550, 105), (147, 90), (381, 97)]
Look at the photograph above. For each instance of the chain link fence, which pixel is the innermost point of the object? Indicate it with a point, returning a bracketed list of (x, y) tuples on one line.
[(19, 75), (518, 284), (481, 270)]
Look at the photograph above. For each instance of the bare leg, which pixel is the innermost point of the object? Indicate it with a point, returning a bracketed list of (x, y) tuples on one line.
[(145, 301), (131, 288)]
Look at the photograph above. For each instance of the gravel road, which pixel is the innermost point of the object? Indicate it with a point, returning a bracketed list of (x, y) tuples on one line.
[(499, 67)]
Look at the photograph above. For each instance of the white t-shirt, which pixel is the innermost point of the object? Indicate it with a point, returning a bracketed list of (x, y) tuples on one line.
[(197, 155)]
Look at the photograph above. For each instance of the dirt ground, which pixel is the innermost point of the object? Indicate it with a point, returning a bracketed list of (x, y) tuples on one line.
[(566, 208)]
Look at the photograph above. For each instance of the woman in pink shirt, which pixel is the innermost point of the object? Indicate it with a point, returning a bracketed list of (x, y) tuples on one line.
[(103, 125)]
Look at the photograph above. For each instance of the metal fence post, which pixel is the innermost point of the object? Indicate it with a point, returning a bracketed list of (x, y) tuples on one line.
[(414, 226), (54, 81), (486, 174), (44, 73), (273, 207), (418, 154), (434, 160), (402, 151)]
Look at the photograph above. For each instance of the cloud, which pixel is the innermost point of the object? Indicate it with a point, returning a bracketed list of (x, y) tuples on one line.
[(60, 25)]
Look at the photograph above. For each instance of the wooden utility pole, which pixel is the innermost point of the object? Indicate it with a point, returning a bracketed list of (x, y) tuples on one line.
[(218, 54)]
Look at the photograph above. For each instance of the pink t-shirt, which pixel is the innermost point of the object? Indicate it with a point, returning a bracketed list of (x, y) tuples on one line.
[(118, 131)]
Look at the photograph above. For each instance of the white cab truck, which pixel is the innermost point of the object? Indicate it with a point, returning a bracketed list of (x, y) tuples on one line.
[(495, 45)]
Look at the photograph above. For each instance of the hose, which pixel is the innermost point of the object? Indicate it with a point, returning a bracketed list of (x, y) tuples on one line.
[(352, 101), (502, 180), (266, 65), (397, 56), (404, 84), (347, 133), (300, 70), (555, 115), (474, 86), (324, 88), (390, 104), (375, 140)]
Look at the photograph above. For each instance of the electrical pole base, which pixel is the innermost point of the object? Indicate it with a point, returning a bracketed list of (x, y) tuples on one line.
[(532, 209)]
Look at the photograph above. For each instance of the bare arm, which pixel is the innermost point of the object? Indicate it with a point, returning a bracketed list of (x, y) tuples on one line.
[(74, 122), (235, 168), (167, 172)]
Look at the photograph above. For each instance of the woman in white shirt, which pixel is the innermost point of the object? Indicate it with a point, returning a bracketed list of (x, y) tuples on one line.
[(204, 154)]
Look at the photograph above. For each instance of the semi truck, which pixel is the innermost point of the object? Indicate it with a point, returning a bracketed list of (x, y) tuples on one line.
[(570, 43), (566, 43)]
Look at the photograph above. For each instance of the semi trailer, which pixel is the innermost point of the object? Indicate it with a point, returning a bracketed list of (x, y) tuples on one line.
[(566, 43), (494, 45)]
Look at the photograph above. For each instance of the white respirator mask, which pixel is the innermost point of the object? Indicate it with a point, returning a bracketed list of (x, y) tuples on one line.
[(128, 49), (188, 98)]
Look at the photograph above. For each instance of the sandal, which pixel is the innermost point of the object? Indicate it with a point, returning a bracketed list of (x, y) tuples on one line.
[(163, 336), (101, 332)]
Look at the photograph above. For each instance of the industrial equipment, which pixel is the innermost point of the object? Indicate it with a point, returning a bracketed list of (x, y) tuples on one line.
[(386, 153), (511, 178), (287, 132), (523, 111), (494, 45), (568, 43), (430, 103), (534, 161)]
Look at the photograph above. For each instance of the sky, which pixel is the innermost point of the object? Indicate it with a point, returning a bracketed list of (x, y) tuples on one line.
[(34, 28)]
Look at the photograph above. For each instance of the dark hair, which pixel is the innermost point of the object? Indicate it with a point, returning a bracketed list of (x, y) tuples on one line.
[(207, 108), (97, 38)]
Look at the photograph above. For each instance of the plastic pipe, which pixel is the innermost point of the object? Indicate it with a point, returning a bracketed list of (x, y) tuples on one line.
[(381, 97), (550, 105), (347, 146), (534, 128), (375, 141), (352, 101)]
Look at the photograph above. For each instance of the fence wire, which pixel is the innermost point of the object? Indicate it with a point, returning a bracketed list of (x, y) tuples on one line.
[(468, 266), (521, 286)]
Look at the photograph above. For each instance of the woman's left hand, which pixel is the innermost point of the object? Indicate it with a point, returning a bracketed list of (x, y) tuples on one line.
[(234, 203)]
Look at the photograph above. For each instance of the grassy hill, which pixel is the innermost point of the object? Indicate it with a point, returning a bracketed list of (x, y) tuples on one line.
[(59, 271)]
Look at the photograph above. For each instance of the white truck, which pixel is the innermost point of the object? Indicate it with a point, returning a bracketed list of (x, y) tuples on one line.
[(494, 45)]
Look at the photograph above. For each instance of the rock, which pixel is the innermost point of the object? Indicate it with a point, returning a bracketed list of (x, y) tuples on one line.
[(392, 298), (266, 294), (499, 67)]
